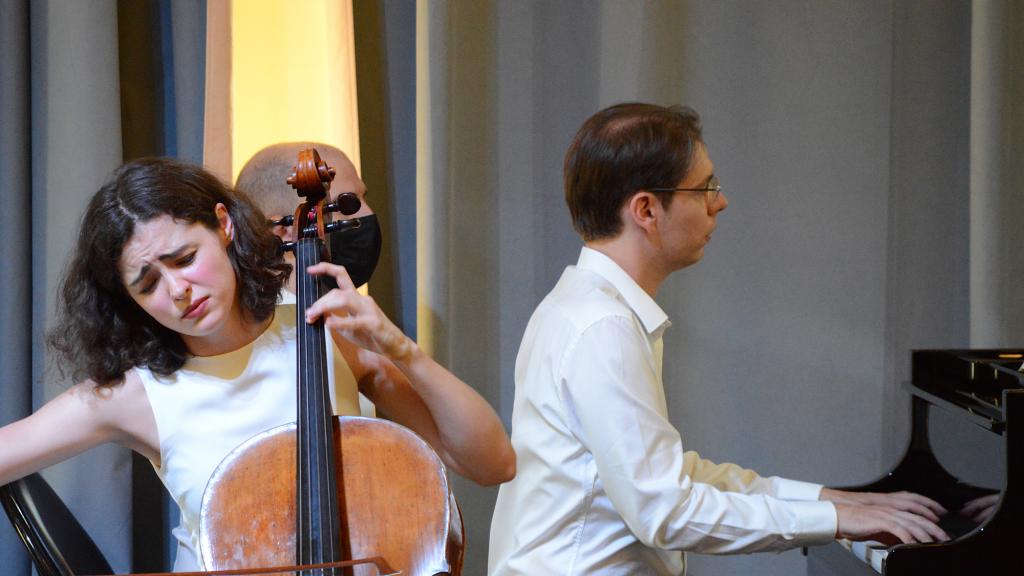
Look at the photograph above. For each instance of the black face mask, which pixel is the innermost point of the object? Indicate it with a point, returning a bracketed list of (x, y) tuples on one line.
[(358, 249)]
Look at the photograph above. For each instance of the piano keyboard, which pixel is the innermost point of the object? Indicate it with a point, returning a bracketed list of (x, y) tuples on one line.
[(870, 552)]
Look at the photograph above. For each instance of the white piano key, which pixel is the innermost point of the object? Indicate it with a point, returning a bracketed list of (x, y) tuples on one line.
[(878, 559), (870, 552)]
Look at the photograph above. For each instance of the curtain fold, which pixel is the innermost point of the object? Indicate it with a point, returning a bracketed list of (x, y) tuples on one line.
[(15, 197), (187, 45), (996, 173), (385, 54), (162, 67), (927, 299), (217, 94), (76, 143)]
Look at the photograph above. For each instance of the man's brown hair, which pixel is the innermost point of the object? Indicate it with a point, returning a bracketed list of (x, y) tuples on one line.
[(621, 150)]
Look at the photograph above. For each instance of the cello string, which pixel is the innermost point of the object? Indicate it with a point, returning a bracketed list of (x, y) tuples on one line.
[(308, 454), (331, 508), (303, 299), (317, 403)]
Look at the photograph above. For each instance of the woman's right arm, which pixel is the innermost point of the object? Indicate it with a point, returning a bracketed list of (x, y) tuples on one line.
[(78, 419)]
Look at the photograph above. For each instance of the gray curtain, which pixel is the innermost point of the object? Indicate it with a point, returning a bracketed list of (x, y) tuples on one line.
[(849, 138), (75, 143), (997, 174), (385, 41), (161, 47), (60, 137), (15, 197)]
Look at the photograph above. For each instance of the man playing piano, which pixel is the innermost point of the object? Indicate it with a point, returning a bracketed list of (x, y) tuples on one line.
[(603, 484)]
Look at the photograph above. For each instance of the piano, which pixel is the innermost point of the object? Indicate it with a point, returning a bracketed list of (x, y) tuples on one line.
[(985, 388)]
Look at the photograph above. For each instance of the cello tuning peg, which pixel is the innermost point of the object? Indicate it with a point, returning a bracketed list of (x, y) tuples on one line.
[(347, 203), (283, 221)]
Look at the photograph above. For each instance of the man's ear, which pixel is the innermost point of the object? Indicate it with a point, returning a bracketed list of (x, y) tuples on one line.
[(227, 227), (642, 210)]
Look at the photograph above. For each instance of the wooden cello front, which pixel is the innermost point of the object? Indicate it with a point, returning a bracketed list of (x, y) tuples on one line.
[(327, 488)]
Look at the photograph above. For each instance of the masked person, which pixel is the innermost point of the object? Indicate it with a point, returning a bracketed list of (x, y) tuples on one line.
[(263, 179)]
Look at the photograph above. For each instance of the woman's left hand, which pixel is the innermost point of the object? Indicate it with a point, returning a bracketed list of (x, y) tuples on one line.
[(357, 317)]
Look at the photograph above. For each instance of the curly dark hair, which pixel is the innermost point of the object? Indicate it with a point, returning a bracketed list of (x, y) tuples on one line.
[(101, 331), (621, 150)]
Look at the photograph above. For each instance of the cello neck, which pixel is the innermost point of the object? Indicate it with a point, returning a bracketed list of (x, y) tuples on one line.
[(317, 515)]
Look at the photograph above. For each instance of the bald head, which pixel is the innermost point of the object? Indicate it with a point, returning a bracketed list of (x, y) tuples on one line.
[(263, 177)]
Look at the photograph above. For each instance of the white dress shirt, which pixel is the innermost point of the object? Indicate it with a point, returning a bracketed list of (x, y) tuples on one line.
[(603, 485)]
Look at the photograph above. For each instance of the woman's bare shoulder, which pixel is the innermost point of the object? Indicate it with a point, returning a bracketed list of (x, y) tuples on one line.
[(117, 412), (124, 411), (108, 401)]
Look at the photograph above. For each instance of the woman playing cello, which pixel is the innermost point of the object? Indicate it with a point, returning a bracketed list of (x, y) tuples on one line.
[(169, 316)]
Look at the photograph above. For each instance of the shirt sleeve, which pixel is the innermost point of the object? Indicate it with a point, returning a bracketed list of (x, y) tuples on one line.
[(733, 478), (670, 499)]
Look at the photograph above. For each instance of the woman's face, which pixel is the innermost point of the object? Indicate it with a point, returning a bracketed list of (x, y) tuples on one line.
[(180, 274)]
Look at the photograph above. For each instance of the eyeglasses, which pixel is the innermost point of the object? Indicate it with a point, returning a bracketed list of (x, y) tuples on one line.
[(711, 190)]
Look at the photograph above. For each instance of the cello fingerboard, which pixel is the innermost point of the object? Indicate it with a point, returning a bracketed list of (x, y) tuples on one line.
[(317, 503)]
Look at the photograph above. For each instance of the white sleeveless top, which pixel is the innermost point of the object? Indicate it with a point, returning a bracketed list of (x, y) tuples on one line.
[(214, 403)]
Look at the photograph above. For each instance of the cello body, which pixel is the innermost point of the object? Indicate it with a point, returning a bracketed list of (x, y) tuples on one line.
[(393, 494)]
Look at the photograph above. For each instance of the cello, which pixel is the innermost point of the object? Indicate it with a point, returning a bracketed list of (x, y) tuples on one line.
[(328, 489)]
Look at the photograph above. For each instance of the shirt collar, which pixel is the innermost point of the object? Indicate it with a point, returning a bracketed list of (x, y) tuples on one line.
[(651, 315)]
